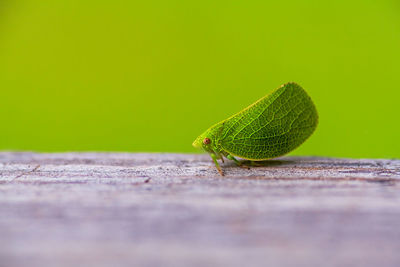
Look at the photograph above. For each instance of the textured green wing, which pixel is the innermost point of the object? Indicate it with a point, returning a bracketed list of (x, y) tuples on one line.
[(271, 127)]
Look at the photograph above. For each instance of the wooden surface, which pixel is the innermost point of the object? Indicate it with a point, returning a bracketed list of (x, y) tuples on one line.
[(104, 209)]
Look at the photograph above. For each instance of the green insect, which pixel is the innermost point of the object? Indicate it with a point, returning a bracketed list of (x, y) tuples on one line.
[(271, 127)]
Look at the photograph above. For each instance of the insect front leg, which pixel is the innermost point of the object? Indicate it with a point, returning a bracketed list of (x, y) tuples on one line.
[(214, 157)]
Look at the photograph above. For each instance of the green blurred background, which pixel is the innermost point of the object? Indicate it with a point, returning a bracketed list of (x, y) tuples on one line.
[(151, 76)]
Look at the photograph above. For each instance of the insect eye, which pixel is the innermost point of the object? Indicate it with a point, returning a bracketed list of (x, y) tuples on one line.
[(206, 141)]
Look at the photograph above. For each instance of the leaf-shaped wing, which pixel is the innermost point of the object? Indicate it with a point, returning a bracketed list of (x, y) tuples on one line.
[(271, 127)]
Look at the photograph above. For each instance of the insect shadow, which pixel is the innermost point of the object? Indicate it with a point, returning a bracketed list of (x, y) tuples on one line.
[(263, 163)]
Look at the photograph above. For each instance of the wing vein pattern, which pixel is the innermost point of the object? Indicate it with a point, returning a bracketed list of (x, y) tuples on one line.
[(271, 127)]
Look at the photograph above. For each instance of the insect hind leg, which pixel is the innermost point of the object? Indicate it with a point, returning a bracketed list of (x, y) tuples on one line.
[(238, 163)]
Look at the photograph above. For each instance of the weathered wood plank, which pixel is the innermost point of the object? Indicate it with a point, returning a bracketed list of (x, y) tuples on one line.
[(121, 209)]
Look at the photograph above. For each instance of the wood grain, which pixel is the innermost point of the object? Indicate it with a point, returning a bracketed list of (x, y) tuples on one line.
[(121, 209)]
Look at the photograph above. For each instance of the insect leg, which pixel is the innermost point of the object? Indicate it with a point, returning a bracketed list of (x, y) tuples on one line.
[(214, 158), (229, 156), (255, 164)]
